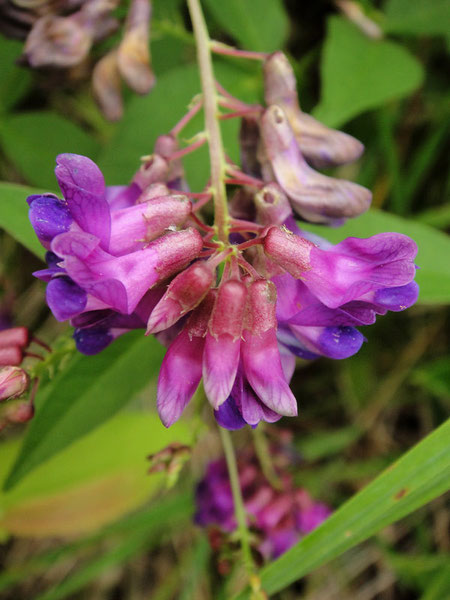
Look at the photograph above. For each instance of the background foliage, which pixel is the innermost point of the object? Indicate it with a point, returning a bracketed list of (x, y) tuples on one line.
[(72, 478)]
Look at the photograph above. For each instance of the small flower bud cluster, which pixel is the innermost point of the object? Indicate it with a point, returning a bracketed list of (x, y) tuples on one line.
[(235, 304), (277, 518), (63, 33)]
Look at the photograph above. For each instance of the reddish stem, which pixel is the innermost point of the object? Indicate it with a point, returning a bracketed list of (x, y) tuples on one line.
[(187, 117), (220, 48), (188, 149), (239, 113), (254, 242), (201, 224), (39, 342), (204, 200), (248, 267)]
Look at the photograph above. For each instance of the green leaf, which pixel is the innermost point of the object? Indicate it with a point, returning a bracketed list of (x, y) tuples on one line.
[(14, 80), (85, 394), (417, 477), (60, 496), (326, 443), (33, 140), (14, 216), (434, 273), (420, 17), (359, 73), (260, 25)]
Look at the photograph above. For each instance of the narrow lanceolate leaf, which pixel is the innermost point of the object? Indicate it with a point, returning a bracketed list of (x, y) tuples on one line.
[(260, 25), (420, 475), (359, 73), (84, 395), (14, 216), (433, 275)]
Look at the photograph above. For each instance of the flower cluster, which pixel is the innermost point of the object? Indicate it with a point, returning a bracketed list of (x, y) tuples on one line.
[(62, 34), (278, 518), (234, 312)]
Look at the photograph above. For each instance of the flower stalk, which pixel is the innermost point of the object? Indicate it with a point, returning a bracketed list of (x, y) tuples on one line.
[(212, 128), (239, 509)]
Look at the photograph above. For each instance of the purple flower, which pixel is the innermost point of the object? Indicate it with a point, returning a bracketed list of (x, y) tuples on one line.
[(337, 288), (108, 247), (278, 518)]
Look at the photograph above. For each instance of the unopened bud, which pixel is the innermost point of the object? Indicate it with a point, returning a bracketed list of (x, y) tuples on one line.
[(289, 250), (154, 190), (184, 293), (12, 355), (321, 146), (144, 222), (272, 205), (134, 54), (154, 169), (13, 382), (15, 336), (228, 313), (261, 306), (106, 85), (19, 411)]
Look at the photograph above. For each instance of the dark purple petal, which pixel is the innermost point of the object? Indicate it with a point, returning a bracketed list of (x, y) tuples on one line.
[(65, 298), (49, 217), (92, 340), (228, 415), (334, 342), (397, 298)]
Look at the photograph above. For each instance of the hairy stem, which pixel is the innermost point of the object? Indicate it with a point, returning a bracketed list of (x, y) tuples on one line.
[(212, 128), (239, 509)]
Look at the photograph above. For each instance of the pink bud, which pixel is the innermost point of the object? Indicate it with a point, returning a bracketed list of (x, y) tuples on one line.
[(20, 411), (228, 311), (321, 146), (153, 170), (144, 222), (12, 355), (222, 342), (288, 250), (176, 250), (15, 336), (261, 306), (13, 382), (184, 293), (272, 205), (154, 190)]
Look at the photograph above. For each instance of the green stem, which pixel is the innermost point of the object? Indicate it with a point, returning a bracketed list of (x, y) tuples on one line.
[(263, 453), (212, 128), (239, 509)]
